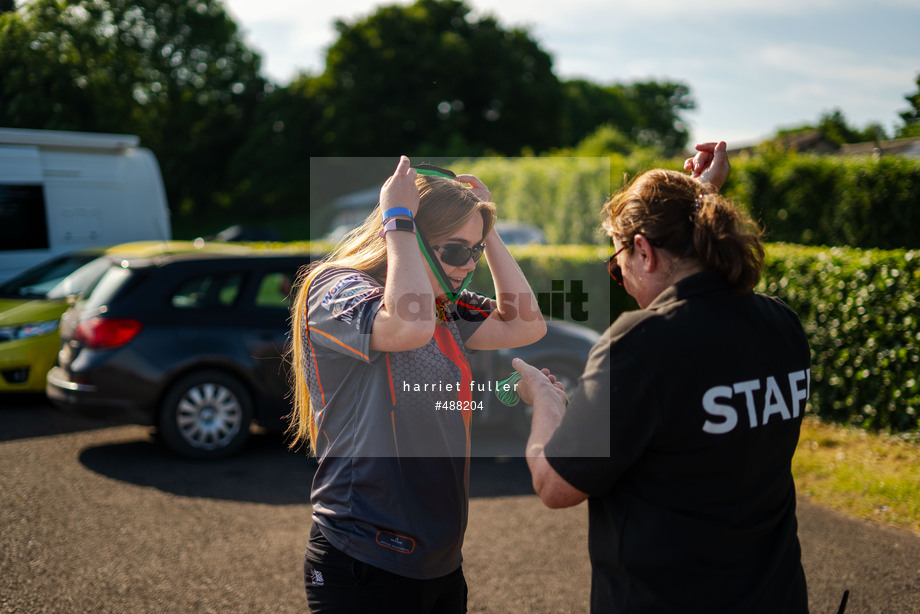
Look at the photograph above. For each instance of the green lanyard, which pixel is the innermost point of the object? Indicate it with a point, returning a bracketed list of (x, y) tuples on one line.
[(429, 169), (508, 397), (438, 271)]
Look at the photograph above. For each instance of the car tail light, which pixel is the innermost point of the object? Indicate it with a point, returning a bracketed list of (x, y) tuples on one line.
[(102, 333)]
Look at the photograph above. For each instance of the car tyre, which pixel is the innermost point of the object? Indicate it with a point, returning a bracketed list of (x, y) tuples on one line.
[(206, 414), (522, 415)]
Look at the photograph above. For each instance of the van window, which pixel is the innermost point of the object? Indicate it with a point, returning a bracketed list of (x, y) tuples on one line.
[(23, 222)]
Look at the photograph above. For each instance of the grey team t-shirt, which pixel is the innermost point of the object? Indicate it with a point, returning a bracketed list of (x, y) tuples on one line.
[(392, 486)]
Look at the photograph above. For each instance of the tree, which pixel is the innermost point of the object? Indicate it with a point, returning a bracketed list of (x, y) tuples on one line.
[(272, 166), (831, 131), (177, 74), (911, 117), (834, 126), (430, 79), (586, 106), (605, 140), (648, 113), (656, 108)]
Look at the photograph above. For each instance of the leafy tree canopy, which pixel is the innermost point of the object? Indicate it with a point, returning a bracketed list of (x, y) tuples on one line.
[(175, 73), (431, 78), (587, 105), (911, 117), (656, 107), (648, 113), (835, 128)]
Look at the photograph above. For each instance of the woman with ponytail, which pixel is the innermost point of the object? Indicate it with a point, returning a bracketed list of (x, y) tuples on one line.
[(682, 430), (383, 391)]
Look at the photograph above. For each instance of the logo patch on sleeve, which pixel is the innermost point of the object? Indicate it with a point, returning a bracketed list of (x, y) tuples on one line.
[(343, 300), (338, 287), (399, 543)]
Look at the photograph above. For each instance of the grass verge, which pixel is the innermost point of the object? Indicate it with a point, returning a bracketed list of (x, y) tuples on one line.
[(870, 476)]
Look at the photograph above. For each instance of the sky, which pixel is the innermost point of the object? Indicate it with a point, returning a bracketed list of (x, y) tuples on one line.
[(752, 67)]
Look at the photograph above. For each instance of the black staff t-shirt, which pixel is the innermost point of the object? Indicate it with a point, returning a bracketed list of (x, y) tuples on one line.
[(682, 434)]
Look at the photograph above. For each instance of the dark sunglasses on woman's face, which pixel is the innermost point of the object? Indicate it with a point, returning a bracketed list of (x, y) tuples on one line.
[(458, 255), (613, 267)]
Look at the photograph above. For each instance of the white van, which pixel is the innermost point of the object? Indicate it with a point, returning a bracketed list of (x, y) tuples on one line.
[(61, 191)]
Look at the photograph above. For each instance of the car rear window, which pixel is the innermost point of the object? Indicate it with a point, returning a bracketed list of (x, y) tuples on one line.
[(101, 293), (207, 292), (81, 279)]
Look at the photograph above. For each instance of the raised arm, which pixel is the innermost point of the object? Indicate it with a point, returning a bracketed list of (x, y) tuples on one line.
[(517, 320), (401, 323), (710, 164)]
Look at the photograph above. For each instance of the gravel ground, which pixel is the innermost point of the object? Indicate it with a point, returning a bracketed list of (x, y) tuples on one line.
[(98, 517)]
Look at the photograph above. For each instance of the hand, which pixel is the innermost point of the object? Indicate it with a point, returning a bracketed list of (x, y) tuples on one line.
[(476, 185), (710, 165), (536, 382), (399, 190)]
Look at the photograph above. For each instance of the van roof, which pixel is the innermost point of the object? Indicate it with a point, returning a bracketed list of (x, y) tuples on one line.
[(68, 140)]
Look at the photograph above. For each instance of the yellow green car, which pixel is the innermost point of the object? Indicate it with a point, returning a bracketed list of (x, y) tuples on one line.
[(31, 305)]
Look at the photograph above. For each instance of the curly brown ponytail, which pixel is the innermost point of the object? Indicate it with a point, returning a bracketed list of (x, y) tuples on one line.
[(690, 221), (727, 240)]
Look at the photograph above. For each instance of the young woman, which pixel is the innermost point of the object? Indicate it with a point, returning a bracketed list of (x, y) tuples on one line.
[(382, 391), (682, 431)]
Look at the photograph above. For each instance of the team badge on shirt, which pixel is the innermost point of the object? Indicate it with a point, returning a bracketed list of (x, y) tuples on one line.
[(345, 295)]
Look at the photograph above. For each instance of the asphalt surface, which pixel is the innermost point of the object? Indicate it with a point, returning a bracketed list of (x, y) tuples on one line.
[(97, 517)]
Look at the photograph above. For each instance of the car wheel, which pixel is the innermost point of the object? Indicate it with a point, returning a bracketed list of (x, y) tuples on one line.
[(206, 415), (522, 415)]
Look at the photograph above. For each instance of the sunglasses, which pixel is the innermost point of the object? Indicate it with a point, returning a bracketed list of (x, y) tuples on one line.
[(613, 267), (458, 255)]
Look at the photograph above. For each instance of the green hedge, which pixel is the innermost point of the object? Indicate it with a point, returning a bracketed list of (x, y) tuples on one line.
[(859, 308), (803, 199), (829, 200), (561, 195), (861, 314)]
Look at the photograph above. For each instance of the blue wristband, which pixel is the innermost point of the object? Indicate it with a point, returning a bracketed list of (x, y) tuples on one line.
[(396, 211)]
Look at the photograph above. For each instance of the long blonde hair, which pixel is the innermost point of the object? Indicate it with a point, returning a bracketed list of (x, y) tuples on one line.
[(445, 205)]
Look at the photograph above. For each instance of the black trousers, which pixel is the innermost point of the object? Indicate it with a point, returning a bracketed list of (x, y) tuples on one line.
[(339, 584)]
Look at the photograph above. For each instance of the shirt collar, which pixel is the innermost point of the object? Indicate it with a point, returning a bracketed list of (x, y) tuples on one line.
[(703, 282)]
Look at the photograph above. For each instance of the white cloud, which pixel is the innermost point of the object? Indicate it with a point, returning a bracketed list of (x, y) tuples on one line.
[(866, 89), (292, 35), (837, 64)]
